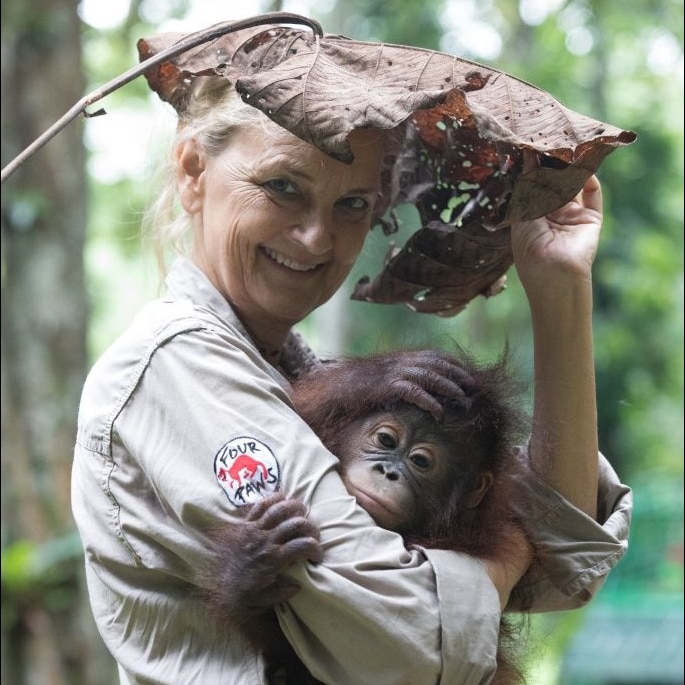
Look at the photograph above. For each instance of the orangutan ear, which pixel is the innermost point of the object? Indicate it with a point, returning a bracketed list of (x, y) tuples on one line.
[(473, 499), (190, 167)]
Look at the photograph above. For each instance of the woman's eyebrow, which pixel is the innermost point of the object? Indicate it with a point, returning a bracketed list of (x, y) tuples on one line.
[(363, 191), (273, 166)]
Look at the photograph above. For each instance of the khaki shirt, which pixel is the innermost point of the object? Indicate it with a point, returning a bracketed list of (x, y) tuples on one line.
[(181, 424)]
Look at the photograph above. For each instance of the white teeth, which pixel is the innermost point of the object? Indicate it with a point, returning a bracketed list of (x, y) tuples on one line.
[(290, 263)]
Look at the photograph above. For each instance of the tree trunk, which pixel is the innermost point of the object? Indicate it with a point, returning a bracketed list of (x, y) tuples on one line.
[(47, 638)]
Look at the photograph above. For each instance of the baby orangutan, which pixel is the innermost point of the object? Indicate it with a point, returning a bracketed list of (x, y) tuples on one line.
[(444, 479)]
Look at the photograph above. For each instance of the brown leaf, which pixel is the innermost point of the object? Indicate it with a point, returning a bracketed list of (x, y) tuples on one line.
[(441, 270), (481, 150)]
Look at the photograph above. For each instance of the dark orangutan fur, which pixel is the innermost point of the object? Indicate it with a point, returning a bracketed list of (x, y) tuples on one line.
[(482, 430)]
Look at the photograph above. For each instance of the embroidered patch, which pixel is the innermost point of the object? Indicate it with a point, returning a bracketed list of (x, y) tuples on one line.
[(246, 470)]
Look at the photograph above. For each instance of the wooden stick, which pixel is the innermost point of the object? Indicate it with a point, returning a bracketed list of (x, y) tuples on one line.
[(186, 43)]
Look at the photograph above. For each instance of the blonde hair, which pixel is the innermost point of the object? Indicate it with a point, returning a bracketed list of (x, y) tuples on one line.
[(214, 111)]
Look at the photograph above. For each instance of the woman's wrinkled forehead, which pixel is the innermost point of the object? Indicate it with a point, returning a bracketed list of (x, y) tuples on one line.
[(276, 147), (368, 142)]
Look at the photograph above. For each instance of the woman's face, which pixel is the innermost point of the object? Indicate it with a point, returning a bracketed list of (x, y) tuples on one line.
[(278, 224)]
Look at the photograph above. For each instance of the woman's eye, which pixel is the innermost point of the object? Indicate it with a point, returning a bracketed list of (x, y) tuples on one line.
[(355, 203), (386, 440), (282, 186)]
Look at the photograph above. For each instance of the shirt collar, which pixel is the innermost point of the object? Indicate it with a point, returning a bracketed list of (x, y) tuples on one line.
[(186, 280)]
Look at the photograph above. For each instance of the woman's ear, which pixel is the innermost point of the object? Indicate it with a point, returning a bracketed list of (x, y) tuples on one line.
[(190, 166)]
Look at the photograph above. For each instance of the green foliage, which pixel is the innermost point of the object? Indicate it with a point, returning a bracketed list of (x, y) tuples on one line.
[(40, 574), (653, 565), (26, 564), (409, 22)]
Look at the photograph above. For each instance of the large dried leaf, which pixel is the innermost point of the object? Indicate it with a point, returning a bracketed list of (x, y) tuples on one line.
[(441, 270), (481, 149)]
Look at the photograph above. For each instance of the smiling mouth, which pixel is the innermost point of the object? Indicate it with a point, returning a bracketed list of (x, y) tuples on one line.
[(289, 263)]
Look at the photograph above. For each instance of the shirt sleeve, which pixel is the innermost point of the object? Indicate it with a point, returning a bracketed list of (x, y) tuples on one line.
[(372, 606), (575, 551)]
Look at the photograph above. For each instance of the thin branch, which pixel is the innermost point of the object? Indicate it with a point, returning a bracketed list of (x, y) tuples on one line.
[(186, 43)]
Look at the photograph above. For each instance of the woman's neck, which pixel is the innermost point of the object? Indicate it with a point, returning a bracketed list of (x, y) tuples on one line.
[(269, 337)]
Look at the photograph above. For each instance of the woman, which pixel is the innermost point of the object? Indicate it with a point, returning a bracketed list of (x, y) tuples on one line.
[(186, 419)]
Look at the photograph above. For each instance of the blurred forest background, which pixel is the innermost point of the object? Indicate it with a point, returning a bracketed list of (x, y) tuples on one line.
[(74, 271)]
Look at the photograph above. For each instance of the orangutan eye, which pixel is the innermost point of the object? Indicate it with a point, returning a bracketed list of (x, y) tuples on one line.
[(422, 461), (386, 440)]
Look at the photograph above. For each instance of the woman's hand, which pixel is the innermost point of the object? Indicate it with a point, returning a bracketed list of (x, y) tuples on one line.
[(563, 243)]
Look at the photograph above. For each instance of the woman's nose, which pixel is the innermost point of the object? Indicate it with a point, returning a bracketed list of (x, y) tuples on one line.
[(316, 233)]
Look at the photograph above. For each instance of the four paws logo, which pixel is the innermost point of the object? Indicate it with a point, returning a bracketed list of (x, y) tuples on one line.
[(246, 469)]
